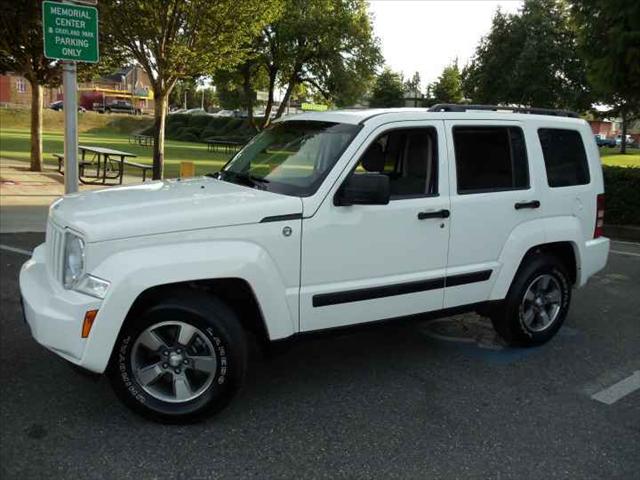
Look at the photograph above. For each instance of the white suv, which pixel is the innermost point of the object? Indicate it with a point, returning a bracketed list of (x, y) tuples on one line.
[(322, 221)]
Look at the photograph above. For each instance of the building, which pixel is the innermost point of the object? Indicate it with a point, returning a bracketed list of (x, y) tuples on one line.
[(613, 128), (129, 83), (15, 91)]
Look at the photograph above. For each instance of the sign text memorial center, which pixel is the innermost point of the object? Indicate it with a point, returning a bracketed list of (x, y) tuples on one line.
[(70, 32)]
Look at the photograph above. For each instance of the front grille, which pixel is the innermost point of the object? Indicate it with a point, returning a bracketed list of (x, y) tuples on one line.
[(55, 250)]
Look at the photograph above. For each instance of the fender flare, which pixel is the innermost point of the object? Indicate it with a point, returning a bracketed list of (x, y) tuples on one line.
[(528, 235), (133, 272)]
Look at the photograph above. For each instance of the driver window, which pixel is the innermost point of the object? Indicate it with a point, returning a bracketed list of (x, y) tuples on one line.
[(409, 157)]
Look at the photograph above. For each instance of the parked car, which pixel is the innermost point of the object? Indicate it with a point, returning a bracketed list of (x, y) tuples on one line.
[(629, 140), (225, 113), (59, 105), (117, 106), (365, 216), (603, 141), (196, 111)]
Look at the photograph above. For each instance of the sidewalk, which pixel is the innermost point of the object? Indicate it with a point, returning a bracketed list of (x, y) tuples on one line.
[(25, 196)]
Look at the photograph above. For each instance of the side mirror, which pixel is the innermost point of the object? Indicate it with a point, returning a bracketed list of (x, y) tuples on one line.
[(363, 189)]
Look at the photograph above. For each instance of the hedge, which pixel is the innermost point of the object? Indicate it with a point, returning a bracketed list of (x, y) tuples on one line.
[(622, 193)]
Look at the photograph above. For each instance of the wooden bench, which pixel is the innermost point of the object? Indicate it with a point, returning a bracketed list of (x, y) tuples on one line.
[(142, 140), (60, 158), (142, 167)]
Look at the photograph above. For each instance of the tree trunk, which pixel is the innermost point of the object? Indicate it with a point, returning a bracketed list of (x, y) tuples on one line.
[(248, 93), (285, 100), (623, 140), (36, 126), (273, 72), (160, 116)]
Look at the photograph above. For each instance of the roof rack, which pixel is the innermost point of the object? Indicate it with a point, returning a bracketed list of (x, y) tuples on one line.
[(454, 107)]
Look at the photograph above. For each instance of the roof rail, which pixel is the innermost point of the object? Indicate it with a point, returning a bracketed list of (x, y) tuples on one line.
[(454, 107)]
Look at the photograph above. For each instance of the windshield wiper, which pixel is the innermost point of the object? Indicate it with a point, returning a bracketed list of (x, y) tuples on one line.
[(247, 178)]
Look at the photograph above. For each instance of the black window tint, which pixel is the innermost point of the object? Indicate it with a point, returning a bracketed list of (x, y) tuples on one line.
[(490, 158), (564, 157), (409, 157)]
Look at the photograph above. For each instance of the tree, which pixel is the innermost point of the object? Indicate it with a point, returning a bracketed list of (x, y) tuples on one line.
[(448, 87), (173, 39), (21, 52), (529, 58), (388, 90), (326, 45), (412, 88), (609, 41)]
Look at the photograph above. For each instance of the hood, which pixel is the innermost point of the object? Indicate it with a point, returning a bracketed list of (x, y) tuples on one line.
[(167, 206)]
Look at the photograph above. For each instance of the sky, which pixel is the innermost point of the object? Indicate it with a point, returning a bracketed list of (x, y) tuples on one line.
[(427, 35)]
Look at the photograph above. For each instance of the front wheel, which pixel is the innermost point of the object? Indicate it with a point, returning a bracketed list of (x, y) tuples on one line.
[(537, 302), (182, 360)]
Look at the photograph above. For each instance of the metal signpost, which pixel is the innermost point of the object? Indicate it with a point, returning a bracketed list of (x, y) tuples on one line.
[(70, 34)]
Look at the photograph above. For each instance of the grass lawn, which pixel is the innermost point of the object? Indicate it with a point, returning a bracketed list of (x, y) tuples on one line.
[(15, 145), (612, 157)]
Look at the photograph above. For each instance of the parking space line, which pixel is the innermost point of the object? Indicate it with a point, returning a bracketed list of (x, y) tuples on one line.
[(619, 252), (15, 250), (623, 242), (615, 392)]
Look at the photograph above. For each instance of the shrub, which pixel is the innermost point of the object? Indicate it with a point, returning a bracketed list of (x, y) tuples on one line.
[(199, 121), (622, 188)]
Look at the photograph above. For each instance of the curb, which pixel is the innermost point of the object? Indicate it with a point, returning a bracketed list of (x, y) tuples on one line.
[(622, 232)]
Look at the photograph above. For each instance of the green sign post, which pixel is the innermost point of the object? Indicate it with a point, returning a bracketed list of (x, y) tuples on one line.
[(70, 32)]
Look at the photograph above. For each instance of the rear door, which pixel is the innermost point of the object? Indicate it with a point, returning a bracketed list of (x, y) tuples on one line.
[(491, 193)]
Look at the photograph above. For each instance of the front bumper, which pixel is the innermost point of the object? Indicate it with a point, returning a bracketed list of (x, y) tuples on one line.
[(54, 315)]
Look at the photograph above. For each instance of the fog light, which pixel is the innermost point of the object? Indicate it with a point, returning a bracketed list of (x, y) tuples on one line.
[(89, 317)]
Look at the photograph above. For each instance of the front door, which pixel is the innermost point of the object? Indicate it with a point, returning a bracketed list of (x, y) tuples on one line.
[(364, 263)]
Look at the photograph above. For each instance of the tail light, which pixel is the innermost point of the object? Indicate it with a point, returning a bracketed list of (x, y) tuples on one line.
[(599, 216)]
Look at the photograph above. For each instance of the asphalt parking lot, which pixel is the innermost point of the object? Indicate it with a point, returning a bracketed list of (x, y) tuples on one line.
[(388, 402)]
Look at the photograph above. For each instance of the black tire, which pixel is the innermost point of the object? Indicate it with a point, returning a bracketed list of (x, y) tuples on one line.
[(509, 318), (222, 328)]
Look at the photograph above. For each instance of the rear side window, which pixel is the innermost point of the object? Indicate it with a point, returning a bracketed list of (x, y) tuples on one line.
[(564, 157), (490, 159)]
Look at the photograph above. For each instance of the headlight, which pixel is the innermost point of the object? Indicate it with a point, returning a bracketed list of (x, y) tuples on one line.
[(73, 259)]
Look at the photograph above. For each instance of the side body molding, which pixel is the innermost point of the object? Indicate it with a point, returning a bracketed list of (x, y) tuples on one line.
[(132, 272)]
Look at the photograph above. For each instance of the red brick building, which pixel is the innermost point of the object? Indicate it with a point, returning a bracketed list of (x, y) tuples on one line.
[(15, 90)]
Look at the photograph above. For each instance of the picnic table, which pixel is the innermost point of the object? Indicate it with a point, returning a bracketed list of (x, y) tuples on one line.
[(140, 139), (107, 162), (224, 143)]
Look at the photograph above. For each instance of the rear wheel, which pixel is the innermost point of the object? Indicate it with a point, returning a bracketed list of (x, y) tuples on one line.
[(182, 360), (537, 302)]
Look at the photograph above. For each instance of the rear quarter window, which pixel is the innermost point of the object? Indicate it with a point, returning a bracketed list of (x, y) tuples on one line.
[(564, 157)]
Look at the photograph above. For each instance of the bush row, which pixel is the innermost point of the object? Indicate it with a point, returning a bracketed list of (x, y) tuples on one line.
[(622, 188), (198, 128)]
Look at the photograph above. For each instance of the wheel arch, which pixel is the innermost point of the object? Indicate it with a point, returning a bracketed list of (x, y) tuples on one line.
[(558, 236), (234, 292)]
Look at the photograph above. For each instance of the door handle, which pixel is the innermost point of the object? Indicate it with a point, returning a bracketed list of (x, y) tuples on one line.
[(434, 214), (531, 204)]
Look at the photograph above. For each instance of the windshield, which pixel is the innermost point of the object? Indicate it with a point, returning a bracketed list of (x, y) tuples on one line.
[(291, 157)]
